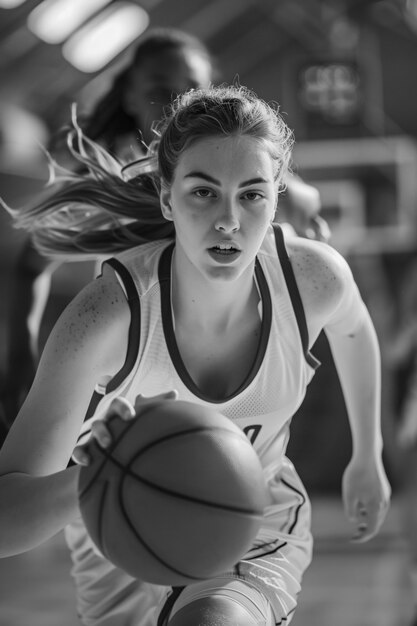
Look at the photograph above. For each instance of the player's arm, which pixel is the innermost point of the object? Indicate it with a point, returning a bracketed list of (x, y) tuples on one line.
[(355, 349), (37, 492), (356, 355), (333, 302)]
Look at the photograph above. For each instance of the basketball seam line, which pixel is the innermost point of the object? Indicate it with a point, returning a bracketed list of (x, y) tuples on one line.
[(107, 453), (168, 436), (148, 547), (148, 483)]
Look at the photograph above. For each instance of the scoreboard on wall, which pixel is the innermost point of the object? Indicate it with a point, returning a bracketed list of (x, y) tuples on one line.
[(366, 178), (330, 95)]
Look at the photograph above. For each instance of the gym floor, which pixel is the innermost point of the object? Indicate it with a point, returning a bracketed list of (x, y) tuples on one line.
[(347, 585)]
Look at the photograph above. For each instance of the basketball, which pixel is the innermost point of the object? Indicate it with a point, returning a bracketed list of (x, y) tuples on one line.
[(178, 497)]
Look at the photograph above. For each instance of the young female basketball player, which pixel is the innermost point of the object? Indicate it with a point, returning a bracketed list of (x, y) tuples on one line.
[(228, 311)]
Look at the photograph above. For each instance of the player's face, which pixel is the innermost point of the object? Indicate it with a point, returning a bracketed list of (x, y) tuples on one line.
[(158, 80), (222, 200)]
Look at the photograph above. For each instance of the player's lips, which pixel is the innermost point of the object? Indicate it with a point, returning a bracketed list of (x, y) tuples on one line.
[(225, 251)]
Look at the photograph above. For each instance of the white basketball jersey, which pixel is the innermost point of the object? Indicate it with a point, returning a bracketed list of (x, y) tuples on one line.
[(262, 406), (267, 399)]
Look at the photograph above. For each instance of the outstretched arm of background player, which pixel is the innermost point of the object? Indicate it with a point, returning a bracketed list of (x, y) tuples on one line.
[(27, 300)]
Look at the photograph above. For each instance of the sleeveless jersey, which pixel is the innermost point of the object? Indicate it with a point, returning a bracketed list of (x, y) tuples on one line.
[(262, 406)]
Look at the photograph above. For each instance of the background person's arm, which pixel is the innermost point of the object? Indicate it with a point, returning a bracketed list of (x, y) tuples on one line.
[(28, 296)]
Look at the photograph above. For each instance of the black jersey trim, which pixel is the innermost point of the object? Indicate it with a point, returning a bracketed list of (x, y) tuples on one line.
[(167, 322), (132, 297), (167, 608), (299, 505), (134, 326), (294, 295)]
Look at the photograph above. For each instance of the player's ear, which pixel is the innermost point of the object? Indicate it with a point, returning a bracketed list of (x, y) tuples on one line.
[(165, 200)]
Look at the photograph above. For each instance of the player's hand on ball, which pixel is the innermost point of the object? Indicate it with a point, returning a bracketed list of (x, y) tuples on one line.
[(142, 403), (123, 409)]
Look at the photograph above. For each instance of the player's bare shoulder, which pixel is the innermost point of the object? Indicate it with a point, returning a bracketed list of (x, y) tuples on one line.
[(322, 274), (96, 320)]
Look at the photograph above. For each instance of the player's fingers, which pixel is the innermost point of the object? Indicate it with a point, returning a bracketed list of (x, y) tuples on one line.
[(369, 519), (365, 522), (122, 408), (142, 402), (80, 456), (100, 433), (99, 430)]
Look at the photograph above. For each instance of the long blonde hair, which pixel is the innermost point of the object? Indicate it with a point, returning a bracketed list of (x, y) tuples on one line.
[(102, 209)]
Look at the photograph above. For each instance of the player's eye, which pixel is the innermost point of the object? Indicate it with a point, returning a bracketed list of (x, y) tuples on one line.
[(252, 195), (203, 192)]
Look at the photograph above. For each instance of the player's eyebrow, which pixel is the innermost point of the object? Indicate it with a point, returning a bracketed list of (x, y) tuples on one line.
[(210, 179), (253, 181)]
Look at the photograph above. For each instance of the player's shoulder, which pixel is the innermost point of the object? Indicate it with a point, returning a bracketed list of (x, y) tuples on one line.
[(99, 312), (310, 253), (104, 294), (322, 274)]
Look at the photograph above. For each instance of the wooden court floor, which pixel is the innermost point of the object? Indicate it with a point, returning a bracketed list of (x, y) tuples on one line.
[(347, 585)]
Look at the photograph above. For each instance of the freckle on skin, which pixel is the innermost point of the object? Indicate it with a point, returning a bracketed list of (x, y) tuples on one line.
[(85, 319)]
